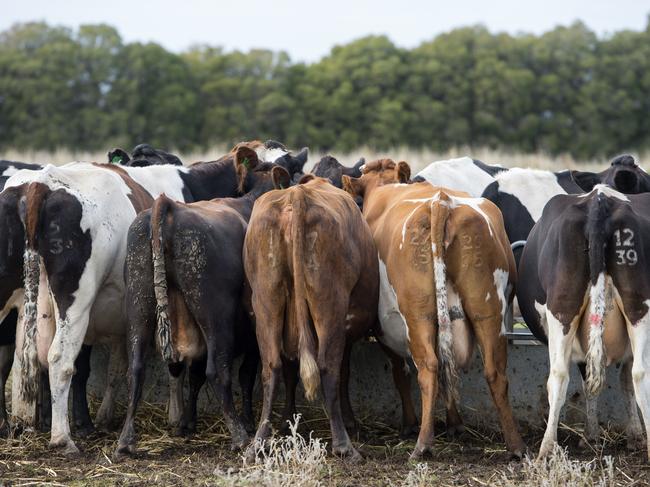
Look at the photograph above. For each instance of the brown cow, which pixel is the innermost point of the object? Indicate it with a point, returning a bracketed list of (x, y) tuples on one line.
[(447, 275), (312, 267)]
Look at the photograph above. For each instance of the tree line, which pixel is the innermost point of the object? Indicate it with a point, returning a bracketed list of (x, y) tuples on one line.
[(565, 91)]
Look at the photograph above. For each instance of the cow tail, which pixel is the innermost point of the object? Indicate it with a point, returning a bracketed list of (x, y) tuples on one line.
[(309, 372), (29, 210), (440, 209), (159, 212), (596, 234)]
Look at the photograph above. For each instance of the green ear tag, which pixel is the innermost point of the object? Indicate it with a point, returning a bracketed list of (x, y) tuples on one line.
[(246, 164), (116, 160)]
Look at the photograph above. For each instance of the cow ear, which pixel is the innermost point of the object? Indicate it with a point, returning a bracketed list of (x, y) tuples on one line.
[(586, 180), (403, 172), (351, 185), (281, 178), (306, 178), (245, 160), (357, 167), (301, 158), (118, 156)]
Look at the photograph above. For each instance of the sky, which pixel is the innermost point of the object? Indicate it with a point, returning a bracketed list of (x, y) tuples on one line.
[(307, 30)]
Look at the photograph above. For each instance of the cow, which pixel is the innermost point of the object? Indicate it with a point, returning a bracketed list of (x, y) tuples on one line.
[(8, 168), (142, 155), (328, 167), (583, 288), (623, 174), (463, 174), (76, 219), (299, 241), (447, 275), (273, 151), (521, 195), (185, 282)]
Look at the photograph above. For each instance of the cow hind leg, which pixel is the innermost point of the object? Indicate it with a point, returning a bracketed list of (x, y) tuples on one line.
[(115, 377), (634, 429), (247, 374), (83, 425), (559, 352), (139, 338), (187, 424), (44, 416), (402, 381), (640, 339), (592, 427), (494, 354), (6, 360), (219, 376), (455, 426), (175, 408), (330, 359), (346, 407), (290, 374)]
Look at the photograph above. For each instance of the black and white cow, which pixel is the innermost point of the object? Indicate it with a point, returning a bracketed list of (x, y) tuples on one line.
[(583, 286), (185, 285), (142, 155), (76, 219), (462, 174), (624, 174), (521, 195)]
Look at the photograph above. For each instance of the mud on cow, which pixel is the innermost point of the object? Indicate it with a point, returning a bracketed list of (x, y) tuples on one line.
[(447, 275), (185, 286), (584, 286), (300, 241)]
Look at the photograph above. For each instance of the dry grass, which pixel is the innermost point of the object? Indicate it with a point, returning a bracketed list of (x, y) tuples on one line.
[(478, 458), (418, 159)]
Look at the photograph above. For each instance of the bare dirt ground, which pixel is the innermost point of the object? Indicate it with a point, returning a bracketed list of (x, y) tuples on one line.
[(477, 458)]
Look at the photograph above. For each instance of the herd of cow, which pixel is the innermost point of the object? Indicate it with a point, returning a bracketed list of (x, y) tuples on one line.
[(247, 256)]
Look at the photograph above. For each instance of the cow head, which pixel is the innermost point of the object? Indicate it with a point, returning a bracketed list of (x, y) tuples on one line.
[(118, 156), (258, 177), (328, 167), (294, 164), (624, 175), (273, 151), (376, 173)]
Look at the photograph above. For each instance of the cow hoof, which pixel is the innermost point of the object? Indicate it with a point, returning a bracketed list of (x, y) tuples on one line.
[(122, 452), (518, 454), (545, 450), (67, 447), (347, 453), (250, 455), (239, 442), (409, 431), (420, 452)]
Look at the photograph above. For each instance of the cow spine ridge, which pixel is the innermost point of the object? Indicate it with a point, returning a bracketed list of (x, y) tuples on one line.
[(29, 211), (163, 323), (309, 373), (440, 209), (597, 233)]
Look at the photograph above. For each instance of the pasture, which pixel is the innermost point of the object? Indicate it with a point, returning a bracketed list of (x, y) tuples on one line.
[(476, 457)]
